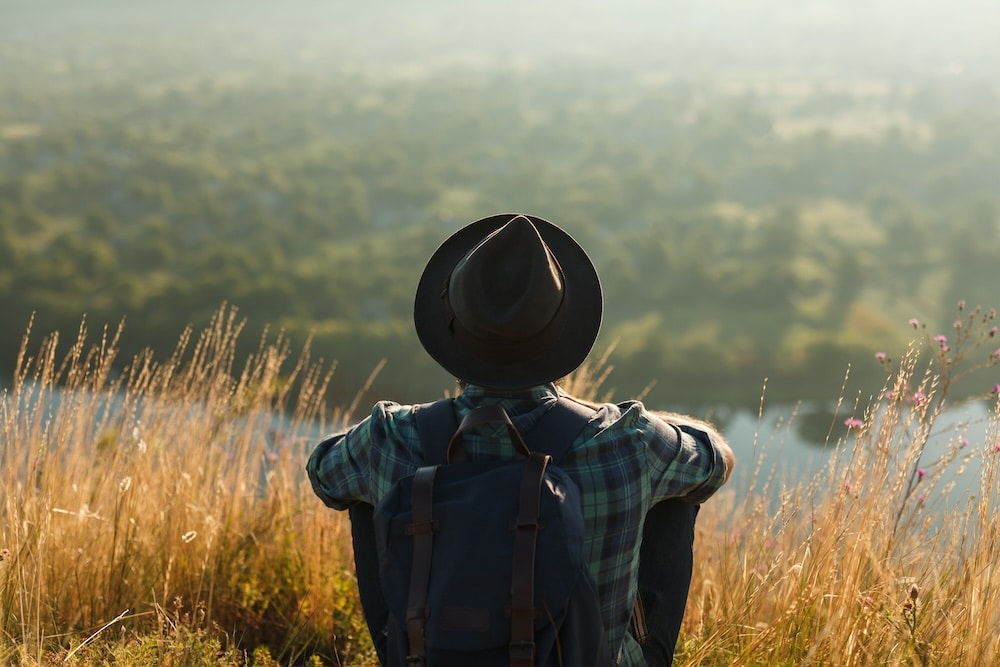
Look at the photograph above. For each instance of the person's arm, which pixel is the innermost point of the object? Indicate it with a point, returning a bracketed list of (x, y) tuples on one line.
[(348, 467), (341, 472), (687, 422), (337, 475), (666, 556)]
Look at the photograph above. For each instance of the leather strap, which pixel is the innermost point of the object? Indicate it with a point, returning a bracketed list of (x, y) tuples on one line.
[(640, 629), (436, 424), (484, 414), (522, 612), (422, 529), (553, 433)]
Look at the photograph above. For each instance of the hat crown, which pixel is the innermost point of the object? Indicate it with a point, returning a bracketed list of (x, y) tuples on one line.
[(508, 301), (509, 286)]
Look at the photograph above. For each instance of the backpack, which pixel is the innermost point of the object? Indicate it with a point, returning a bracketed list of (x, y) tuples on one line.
[(481, 562)]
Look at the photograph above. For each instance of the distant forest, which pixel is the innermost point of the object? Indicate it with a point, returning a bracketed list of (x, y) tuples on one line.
[(763, 222)]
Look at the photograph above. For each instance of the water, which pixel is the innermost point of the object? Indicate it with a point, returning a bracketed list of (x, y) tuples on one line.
[(796, 443), (783, 447)]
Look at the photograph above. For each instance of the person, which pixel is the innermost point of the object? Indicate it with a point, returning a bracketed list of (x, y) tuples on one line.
[(666, 557), (509, 305)]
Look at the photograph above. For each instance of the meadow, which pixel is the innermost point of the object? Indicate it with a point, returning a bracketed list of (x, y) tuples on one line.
[(767, 193), (157, 513)]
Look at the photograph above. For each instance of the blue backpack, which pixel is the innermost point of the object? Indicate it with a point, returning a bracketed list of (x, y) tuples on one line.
[(481, 562)]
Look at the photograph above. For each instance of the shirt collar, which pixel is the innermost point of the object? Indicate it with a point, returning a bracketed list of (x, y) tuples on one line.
[(524, 406), (540, 393)]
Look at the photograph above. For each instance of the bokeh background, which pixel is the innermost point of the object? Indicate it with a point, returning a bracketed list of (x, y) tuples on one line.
[(769, 189)]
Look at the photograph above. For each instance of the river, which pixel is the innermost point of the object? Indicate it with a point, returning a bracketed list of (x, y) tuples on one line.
[(781, 446), (792, 443)]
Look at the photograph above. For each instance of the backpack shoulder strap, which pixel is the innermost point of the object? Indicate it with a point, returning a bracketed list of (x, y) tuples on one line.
[(436, 424), (556, 430), (553, 434)]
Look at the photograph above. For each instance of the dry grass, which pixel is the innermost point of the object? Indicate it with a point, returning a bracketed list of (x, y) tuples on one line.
[(170, 498), (161, 515), (877, 560)]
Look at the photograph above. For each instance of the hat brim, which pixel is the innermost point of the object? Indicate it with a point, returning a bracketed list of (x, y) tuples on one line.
[(568, 346)]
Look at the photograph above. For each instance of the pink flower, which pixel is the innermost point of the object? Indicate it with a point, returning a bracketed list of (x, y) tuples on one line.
[(941, 339), (920, 473), (914, 323), (918, 397), (996, 353), (881, 356), (963, 444), (853, 422), (996, 389), (993, 332), (889, 394), (921, 499)]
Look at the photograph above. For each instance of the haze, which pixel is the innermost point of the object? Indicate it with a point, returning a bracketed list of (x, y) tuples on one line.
[(889, 38)]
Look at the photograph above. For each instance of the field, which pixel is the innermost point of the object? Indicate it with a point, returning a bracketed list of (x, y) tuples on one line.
[(160, 515)]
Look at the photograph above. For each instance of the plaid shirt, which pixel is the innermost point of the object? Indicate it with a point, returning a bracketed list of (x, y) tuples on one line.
[(624, 460)]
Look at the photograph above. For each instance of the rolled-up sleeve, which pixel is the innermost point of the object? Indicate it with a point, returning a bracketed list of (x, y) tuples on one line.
[(325, 469), (686, 462), (360, 464), (340, 465)]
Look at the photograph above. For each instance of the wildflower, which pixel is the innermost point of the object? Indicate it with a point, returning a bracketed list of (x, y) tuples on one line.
[(958, 324), (996, 353), (914, 323), (867, 601), (847, 485), (996, 389), (881, 357), (920, 473), (919, 397), (963, 444), (853, 422), (921, 499), (961, 304), (993, 332), (889, 394), (941, 339), (997, 448)]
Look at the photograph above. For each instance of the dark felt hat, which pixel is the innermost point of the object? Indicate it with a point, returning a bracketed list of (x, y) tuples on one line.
[(508, 302)]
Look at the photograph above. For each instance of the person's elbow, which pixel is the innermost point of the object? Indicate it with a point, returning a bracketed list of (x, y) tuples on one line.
[(728, 458)]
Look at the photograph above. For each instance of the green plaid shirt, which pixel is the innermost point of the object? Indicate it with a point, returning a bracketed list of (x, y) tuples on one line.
[(624, 460)]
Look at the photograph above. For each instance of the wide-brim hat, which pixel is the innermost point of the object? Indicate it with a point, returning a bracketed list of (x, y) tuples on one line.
[(509, 302)]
